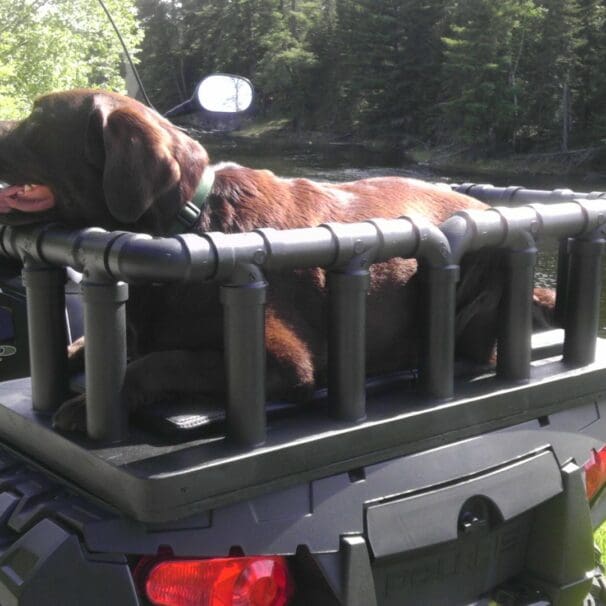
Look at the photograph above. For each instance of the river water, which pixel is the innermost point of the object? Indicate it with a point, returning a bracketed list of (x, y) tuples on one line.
[(348, 162)]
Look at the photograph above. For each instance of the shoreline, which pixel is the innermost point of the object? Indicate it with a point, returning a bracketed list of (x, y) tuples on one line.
[(585, 165)]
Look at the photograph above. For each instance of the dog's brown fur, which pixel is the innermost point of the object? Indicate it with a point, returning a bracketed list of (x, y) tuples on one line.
[(110, 161)]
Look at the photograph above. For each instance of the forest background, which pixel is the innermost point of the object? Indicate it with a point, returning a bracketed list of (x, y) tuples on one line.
[(494, 76)]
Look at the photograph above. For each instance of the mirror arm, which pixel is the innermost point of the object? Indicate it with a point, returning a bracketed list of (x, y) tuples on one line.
[(187, 107)]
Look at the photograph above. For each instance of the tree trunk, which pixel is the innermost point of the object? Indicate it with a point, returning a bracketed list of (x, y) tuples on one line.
[(565, 115)]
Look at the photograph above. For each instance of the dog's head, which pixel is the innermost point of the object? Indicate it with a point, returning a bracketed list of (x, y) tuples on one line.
[(104, 159)]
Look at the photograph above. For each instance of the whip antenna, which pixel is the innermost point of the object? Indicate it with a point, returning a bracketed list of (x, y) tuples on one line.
[(127, 53)]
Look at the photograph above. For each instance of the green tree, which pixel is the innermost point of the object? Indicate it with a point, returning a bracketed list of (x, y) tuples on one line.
[(483, 84), (418, 82), (553, 68), (47, 45), (378, 35), (162, 68), (591, 93), (390, 58), (287, 65)]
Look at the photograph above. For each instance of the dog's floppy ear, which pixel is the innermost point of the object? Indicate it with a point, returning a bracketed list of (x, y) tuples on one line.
[(135, 155)]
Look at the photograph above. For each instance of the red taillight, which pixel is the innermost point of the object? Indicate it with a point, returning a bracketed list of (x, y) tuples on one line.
[(595, 472), (252, 581)]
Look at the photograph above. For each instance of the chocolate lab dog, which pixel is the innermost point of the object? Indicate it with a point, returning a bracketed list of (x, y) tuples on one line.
[(92, 158)]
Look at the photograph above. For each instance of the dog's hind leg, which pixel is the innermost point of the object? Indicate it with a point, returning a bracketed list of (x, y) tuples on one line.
[(180, 374), (157, 376)]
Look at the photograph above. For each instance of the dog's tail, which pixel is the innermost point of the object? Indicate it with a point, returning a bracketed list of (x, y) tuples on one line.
[(479, 296)]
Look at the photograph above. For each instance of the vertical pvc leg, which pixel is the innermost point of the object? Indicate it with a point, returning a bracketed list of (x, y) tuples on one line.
[(515, 324), (45, 288), (105, 358), (347, 344), (583, 306), (436, 371), (244, 339), (562, 282)]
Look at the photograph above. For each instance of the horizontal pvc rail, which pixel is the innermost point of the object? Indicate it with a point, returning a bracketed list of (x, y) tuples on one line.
[(238, 262), (514, 194), (190, 258)]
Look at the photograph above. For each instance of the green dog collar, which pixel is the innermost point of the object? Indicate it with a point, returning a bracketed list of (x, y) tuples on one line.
[(192, 210)]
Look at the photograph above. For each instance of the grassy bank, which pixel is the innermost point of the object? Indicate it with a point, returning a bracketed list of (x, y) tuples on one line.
[(600, 539)]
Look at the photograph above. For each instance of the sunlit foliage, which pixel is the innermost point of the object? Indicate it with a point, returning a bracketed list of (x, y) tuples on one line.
[(48, 45)]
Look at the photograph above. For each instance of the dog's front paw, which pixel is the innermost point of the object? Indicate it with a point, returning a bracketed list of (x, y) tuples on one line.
[(71, 415)]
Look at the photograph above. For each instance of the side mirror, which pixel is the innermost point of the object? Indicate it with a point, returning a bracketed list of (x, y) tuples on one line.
[(217, 93), (224, 93)]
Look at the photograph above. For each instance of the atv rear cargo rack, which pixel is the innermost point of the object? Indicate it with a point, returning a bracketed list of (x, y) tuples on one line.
[(154, 479)]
